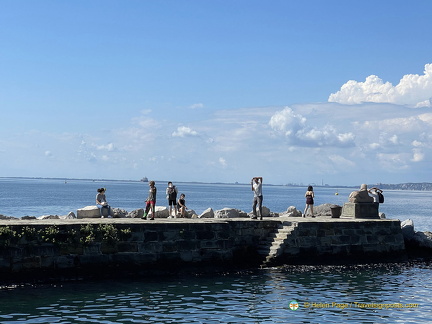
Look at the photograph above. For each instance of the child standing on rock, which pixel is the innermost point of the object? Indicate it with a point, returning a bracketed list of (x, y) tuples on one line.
[(151, 201)]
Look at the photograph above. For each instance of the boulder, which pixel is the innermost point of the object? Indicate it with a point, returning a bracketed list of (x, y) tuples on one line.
[(208, 213), (229, 213), (48, 217), (407, 227), (293, 212), (28, 218), (118, 213), (88, 212), (137, 213), (266, 212), (323, 210), (161, 212), (7, 217), (423, 239), (190, 213), (71, 215)]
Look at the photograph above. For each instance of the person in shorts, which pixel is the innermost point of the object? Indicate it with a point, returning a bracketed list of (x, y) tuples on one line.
[(151, 201), (171, 195)]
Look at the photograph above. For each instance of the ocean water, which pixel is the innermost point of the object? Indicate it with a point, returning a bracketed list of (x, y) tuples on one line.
[(379, 293)]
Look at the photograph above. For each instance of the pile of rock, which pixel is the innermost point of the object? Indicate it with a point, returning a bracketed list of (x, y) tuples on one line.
[(417, 244), (163, 212)]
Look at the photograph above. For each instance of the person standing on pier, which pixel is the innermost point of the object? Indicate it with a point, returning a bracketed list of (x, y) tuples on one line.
[(171, 195), (151, 201), (309, 195), (256, 183)]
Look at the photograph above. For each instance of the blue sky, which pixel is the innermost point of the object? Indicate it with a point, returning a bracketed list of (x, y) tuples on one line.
[(297, 92)]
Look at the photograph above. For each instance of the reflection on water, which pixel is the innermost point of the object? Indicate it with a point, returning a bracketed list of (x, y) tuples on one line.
[(260, 296)]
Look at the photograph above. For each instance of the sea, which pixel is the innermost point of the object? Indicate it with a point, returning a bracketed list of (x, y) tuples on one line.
[(364, 293)]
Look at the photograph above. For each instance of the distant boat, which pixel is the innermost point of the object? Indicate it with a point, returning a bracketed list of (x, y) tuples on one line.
[(145, 179)]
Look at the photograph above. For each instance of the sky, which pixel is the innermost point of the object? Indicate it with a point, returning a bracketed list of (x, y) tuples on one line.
[(297, 92)]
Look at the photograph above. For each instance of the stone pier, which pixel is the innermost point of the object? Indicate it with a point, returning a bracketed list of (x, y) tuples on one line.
[(86, 246)]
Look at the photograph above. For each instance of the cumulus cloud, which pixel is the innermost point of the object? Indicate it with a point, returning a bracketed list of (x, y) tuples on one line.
[(184, 131), (300, 131), (287, 121), (413, 90)]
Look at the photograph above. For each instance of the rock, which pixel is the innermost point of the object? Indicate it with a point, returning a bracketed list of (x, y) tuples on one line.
[(266, 212), (208, 213), (48, 217), (229, 213), (71, 215), (423, 239), (191, 213), (137, 213), (28, 218), (161, 212), (323, 210), (407, 227), (88, 212), (293, 212), (118, 213), (7, 217)]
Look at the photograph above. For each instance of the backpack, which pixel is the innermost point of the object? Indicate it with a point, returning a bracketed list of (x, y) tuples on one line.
[(380, 197)]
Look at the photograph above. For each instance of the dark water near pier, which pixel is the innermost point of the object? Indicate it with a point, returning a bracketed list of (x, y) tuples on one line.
[(390, 293)]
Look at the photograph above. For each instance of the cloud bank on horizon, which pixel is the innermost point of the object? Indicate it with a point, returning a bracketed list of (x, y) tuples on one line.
[(368, 132)]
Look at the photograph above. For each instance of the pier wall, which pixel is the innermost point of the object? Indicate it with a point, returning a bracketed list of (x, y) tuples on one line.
[(101, 246), (350, 241)]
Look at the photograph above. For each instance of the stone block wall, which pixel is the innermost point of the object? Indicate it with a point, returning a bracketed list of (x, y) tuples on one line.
[(345, 242), (173, 246), (140, 246)]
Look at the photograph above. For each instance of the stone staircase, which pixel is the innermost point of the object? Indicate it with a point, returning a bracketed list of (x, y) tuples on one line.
[(273, 246)]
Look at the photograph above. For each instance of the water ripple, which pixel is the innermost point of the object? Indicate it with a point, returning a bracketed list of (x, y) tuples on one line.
[(331, 293)]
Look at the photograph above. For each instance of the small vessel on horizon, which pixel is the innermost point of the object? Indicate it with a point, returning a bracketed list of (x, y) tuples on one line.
[(145, 179)]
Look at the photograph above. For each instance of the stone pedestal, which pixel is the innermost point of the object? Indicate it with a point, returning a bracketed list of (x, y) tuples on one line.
[(360, 210)]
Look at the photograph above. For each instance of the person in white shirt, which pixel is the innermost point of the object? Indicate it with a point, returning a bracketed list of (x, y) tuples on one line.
[(258, 196)]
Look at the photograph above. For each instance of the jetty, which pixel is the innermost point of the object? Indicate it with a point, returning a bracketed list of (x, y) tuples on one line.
[(79, 247)]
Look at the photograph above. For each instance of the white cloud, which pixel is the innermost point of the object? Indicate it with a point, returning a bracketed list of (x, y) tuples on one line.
[(417, 155), (184, 131), (222, 162), (287, 121), (413, 90), (196, 106), (300, 131), (108, 147)]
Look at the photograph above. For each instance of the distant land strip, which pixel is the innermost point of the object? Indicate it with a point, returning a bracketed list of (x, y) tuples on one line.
[(423, 186)]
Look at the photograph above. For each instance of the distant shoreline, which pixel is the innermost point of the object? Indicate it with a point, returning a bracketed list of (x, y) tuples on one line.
[(414, 186)]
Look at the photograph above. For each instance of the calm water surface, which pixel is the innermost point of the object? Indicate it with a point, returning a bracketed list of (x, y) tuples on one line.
[(259, 296), (256, 296)]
